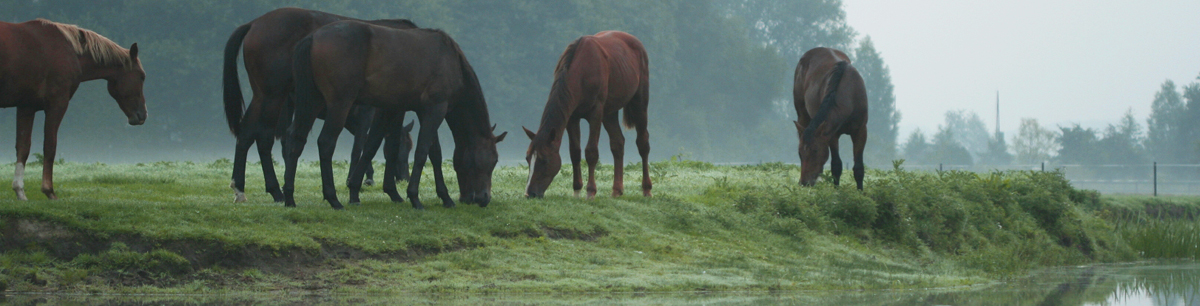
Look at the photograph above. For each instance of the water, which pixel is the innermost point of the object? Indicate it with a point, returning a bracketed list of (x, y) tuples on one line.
[(1162, 283)]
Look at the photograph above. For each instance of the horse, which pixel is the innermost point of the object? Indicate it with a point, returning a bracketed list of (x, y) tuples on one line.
[(41, 65), (831, 100), (595, 77), (395, 70), (269, 41)]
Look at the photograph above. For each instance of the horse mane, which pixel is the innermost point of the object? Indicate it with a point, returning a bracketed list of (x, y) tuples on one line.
[(559, 91), (103, 50), (828, 103), (475, 107)]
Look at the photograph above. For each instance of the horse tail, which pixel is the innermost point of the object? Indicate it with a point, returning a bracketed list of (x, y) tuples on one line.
[(233, 87), (636, 115), (306, 88)]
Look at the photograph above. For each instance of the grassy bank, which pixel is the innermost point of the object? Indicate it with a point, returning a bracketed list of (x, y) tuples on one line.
[(173, 228)]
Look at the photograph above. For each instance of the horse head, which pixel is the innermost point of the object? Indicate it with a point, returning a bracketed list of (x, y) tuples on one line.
[(474, 163), (544, 163), (814, 151), (126, 88)]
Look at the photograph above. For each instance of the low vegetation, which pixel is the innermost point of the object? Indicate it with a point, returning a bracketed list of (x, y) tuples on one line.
[(172, 227)]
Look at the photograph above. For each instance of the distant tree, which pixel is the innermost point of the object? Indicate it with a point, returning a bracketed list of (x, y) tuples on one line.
[(1165, 133), (882, 114), (1122, 142), (997, 153), (947, 150), (968, 131), (916, 149), (1033, 143), (1078, 145), (792, 26), (1191, 122)]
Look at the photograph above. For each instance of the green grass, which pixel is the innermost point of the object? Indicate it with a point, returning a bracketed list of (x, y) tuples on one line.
[(172, 227)]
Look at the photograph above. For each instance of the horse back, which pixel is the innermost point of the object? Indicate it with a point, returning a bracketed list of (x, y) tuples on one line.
[(36, 61), (613, 61), (812, 77)]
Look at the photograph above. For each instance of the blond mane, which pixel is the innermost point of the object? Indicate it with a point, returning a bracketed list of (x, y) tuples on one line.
[(103, 50)]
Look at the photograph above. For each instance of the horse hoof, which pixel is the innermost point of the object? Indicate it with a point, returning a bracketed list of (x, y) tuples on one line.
[(646, 193), (416, 204), (369, 182), (239, 197), (447, 203)]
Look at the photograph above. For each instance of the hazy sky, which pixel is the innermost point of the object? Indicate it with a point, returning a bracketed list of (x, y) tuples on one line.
[(1061, 62)]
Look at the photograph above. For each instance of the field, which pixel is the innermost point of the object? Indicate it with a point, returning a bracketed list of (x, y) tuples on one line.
[(172, 227)]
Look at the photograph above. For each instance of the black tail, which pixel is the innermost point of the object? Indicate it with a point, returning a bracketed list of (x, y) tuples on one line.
[(233, 87), (306, 89), (830, 100)]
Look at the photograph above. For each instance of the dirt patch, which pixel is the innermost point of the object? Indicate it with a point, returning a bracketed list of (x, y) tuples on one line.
[(66, 243)]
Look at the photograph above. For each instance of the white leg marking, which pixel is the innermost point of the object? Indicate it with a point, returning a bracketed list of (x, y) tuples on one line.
[(529, 182), (19, 181), (239, 196)]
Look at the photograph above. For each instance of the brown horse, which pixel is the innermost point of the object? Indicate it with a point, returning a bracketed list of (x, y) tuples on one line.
[(269, 41), (831, 100), (596, 76), (348, 62), (41, 65)]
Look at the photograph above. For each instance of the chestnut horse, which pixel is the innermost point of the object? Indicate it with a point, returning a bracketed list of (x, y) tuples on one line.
[(831, 100), (349, 63), (269, 41), (41, 65), (595, 77)]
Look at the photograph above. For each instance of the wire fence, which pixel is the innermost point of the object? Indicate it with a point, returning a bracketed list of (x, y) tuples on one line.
[(1150, 179)]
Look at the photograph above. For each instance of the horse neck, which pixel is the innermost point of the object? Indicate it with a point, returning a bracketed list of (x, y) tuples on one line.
[(554, 120), (468, 121), (92, 70)]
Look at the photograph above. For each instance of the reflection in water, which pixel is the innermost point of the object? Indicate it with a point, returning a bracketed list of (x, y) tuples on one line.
[(1129, 284)]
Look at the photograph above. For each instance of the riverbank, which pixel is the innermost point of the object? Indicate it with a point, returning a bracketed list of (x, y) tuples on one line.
[(173, 228)]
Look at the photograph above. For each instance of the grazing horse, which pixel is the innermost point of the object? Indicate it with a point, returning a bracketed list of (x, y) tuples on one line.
[(41, 65), (269, 41), (595, 77), (831, 100), (349, 63)]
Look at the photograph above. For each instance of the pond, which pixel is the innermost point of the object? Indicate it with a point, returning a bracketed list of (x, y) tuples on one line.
[(1158, 283)]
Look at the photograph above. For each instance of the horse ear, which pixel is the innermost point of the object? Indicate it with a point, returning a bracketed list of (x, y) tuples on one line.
[(493, 128), (528, 133), (408, 128), (133, 51), (501, 137), (799, 128)]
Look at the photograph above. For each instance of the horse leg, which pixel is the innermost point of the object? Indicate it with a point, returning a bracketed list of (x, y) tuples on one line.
[(292, 148), (431, 118), (616, 141), (24, 133), (265, 143), (435, 158), (335, 120), (380, 127), (244, 141), (835, 160), (643, 135), (592, 153), (394, 165), (860, 143), (573, 146), (54, 116)]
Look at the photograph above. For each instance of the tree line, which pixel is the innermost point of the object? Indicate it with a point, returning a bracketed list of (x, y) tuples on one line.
[(721, 70), (1170, 135)]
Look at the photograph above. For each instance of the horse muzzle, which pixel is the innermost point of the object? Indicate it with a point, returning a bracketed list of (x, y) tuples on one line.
[(137, 118)]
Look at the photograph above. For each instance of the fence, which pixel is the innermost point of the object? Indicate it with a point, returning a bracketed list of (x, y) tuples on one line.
[(1152, 178)]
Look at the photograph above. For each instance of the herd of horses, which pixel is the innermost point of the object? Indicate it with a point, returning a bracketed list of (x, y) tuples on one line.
[(364, 76)]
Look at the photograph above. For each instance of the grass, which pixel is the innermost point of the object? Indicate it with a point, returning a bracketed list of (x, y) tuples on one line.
[(172, 227)]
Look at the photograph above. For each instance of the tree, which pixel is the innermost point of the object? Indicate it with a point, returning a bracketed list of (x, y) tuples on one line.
[(947, 150), (1078, 145), (1164, 137), (1033, 143), (1122, 142), (881, 106), (968, 131), (997, 153), (917, 149), (1191, 122)]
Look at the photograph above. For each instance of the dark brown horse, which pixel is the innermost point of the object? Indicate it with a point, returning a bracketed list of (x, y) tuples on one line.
[(41, 65), (596, 76), (269, 41), (831, 100), (349, 63)]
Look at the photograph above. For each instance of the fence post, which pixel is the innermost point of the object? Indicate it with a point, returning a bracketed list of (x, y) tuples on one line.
[(1156, 179), (1043, 166), (939, 167)]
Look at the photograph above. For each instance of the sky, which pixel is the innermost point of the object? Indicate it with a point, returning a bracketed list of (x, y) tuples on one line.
[(1060, 62)]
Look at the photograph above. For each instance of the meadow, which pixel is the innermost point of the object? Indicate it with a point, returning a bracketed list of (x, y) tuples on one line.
[(172, 227)]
